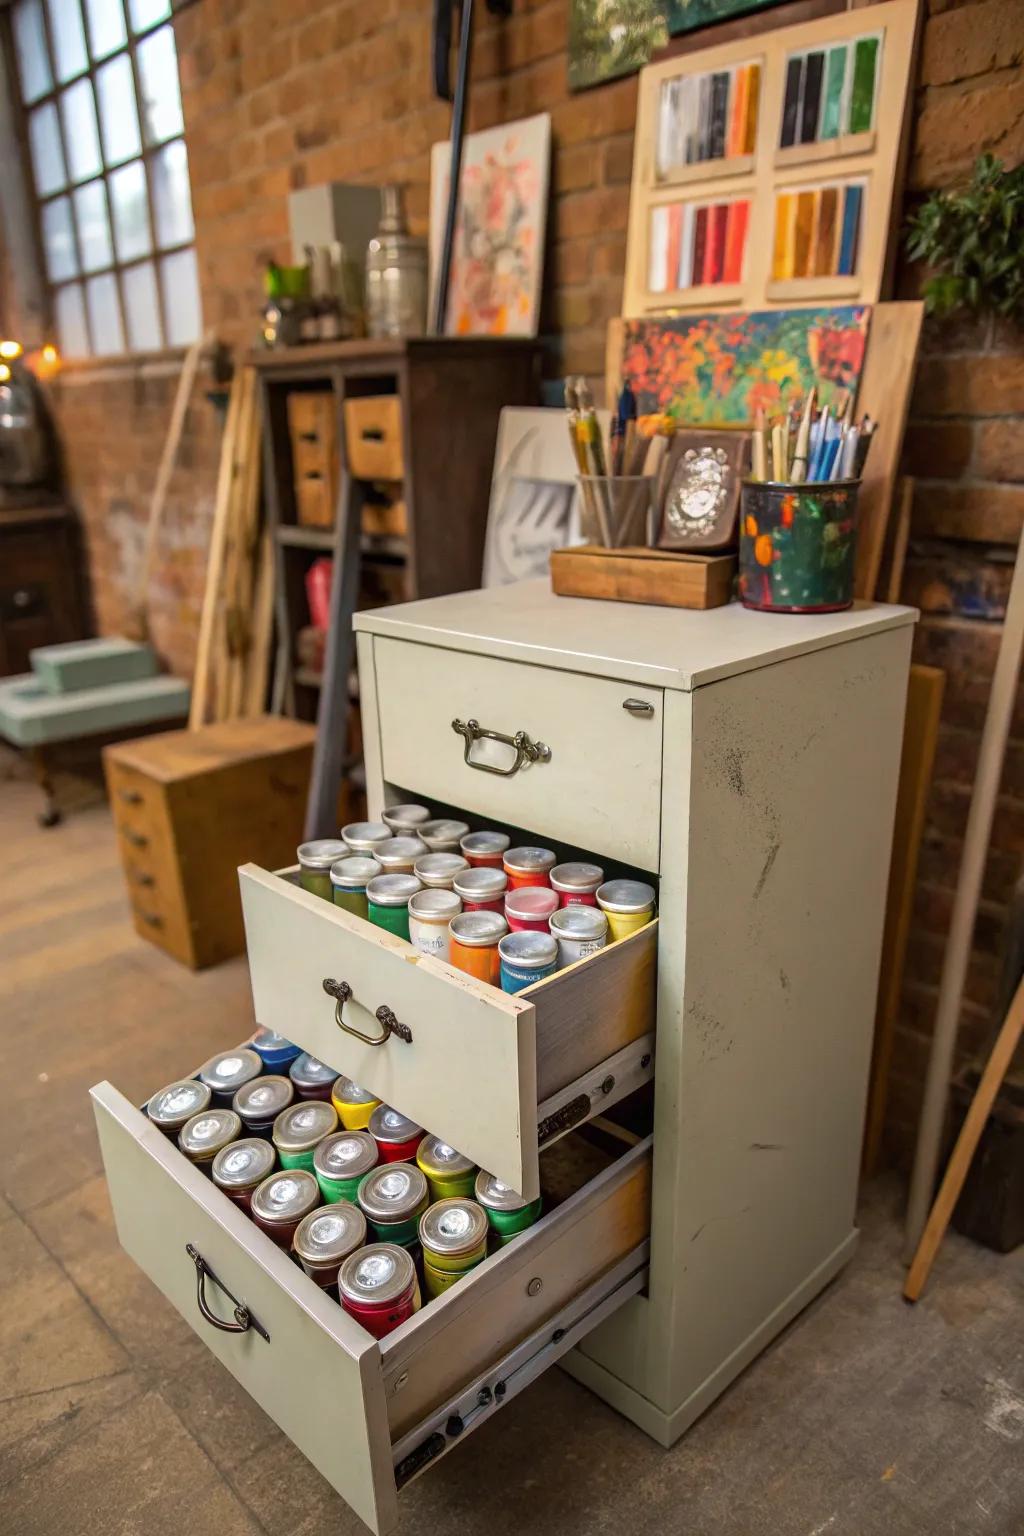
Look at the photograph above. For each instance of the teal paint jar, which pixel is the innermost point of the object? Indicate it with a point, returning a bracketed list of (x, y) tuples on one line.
[(299, 1129), (341, 1162), (507, 1212), (387, 900), (393, 1198), (315, 860), (526, 957)]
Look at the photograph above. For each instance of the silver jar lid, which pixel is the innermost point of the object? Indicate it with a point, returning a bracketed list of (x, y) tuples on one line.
[(577, 876), (493, 1195), (442, 834), (625, 896), (530, 861), (529, 949), (345, 1155), (485, 883), (399, 850), (362, 837), (348, 1092), (392, 890), (393, 1192), (329, 1234), (405, 818), (299, 1128), (285, 1196), (452, 1227), (478, 930), (228, 1070), (377, 1275), (178, 1102), (321, 853), (578, 922), (439, 869), (531, 903), (436, 1157), (308, 1071), (387, 1125), (204, 1135), (243, 1164), (432, 906), (354, 872), (263, 1098), (485, 844)]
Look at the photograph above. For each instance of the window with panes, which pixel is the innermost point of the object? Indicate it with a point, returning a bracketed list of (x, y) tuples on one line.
[(99, 88)]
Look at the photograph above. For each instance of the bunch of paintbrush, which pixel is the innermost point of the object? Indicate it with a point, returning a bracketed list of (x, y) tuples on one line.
[(636, 447), (810, 446)]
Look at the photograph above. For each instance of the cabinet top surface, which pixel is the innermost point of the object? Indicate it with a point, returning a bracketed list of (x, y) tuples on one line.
[(174, 755), (665, 647)]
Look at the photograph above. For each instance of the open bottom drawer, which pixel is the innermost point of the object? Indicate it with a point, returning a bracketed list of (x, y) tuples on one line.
[(355, 1406)]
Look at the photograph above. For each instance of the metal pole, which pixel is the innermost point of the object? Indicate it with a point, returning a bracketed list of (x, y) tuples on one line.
[(455, 171)]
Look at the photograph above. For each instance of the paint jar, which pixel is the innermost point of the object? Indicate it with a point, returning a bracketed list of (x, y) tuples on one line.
[(530, 907), (430, 912), (627, 904), (529, 866), (202, 1137), (798, 546), (387, 899), (258, 1104), (170, 1107), (481, 889), (450, 1175), (378, 1287), (275, 1052), (349, 878), (313, 1079), (326, 1237), (474, 937), (299, 1130), (355, 1105), (398, 855), (579, 931), (397, 1138), (341, 1161), (363, 837), (405, 820), (526, 957), (393, 1197), (453, 1235), (224, 1074), (484, 850), (281, 1201), (577, 883), (238, 1168), (315, 860), (438, 870), (507, 1212), (442, 836)]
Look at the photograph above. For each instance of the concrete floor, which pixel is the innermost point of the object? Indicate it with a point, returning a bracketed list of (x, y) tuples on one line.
[(865, 1417)]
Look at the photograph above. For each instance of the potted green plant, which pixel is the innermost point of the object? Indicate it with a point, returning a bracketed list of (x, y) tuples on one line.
[(972, 241)]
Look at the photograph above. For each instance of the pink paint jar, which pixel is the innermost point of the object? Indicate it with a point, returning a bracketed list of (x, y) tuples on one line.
[(378, 1287), (577, 882), (529, 866), (484, 850), (530, 907), (482, 889)]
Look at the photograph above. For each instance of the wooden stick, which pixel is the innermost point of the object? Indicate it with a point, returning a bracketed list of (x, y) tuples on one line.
[(901, 538), (258, 670), (995, 1071), (202, 679)]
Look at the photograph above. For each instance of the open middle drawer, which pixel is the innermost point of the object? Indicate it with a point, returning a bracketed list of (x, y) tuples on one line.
[(478, 1061)]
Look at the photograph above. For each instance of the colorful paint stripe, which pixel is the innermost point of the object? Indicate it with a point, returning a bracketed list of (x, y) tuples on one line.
[(707, 117), (818, 231), (831, 91), (693, 244)]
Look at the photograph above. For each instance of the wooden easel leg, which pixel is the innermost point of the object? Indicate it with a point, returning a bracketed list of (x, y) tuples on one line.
[(50, 815)]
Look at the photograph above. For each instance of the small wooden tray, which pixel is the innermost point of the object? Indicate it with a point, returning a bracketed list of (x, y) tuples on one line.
[(666, 577)]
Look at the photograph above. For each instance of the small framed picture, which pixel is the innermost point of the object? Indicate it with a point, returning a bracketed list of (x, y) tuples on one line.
[(702, 477)]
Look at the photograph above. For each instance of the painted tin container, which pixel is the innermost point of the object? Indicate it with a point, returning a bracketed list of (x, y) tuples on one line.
[(453, 1235), (313, 1078), (484, 850), (507, 1211), (225, 1073), (450, 1175), (315, 860), (398, 855), (443, 836), (577, 883), (530, 907), (437, 871), (528, 866), (281, 1201), (397, 1138), (526, 957), (405, 820), (363, 837), (170, 1107), (202, 1137), (326, 1237), (299, 1130), (258, 1104), (387, 899), (481, 889), (239, 1167), (430, 912), (798, 546), (627, 904), (474, 940), (349, 878), (341, 1161), (355, 1105), (378, 1287), (275, 1052), (393, 1197), (579, 931)]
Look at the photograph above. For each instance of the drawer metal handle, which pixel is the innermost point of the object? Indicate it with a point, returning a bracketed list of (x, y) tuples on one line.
[(389, 1024), (527, 751), (244, 1319), (638, 707)]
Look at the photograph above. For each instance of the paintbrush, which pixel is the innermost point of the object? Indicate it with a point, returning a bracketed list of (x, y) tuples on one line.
[(803, 441), (589, 436), (758, 458)]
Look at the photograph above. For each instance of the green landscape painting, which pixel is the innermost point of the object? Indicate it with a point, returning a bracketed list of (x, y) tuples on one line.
[(608, 38)]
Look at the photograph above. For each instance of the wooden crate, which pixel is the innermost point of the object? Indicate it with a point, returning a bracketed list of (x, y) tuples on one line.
[(667, 578), (373, 436), (313, 430)]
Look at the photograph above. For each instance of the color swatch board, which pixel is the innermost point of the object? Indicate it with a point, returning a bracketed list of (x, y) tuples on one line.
[(765, 169)]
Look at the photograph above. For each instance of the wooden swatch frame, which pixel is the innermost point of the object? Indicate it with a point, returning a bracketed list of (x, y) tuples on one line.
[(874, 157)]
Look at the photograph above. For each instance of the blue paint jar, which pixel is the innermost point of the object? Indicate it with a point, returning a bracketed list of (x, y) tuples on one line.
[(276, 1052), (526, 956)]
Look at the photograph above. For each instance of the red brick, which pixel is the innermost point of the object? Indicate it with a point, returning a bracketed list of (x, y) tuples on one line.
[(937, 450), (972, 41), (955, 125), (990, 385), (999, 451), (989, 513)]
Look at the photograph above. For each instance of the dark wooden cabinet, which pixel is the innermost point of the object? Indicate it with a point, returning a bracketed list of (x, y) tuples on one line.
[(40, 601)]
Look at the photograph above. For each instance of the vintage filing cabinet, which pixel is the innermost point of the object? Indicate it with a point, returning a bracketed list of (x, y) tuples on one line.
[(748, 762)]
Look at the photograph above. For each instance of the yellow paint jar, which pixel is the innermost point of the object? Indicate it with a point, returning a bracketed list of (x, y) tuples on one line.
[(627, 904), (450, 1175), (355, 1105), (437, 1281), (453, 1235)]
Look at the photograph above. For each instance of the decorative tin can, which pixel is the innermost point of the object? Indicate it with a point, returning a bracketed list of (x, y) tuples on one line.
[(202, 1137), (442, 836), (405, 820), (579, 931), (453, 1235), (430, 912), (798, 546), (530, 907), (627, 904), (326, 1237), (340, 1162), (275, 1052), (299, 1130), (526, 957), (474, 940), (239, 1167), (363, 837), (349, 878), (378, 1287), (258, 1104), (225, 1073), (281, 1201), (450, 1175), (484, 850), (577, 883), (172, 1106), (387, 899), (397, 1138), (398, 855), (313, 1078), (355, 1105), (315, 860), (481, 889), (507, 1211), (438, 870), (393, 1197), (529, 866)]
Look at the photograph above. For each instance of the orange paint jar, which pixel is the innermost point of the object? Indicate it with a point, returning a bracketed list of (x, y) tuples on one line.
[(474, 944), (529, 866)]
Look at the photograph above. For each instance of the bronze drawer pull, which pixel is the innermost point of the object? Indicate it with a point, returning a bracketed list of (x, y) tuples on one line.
[(527, 751), (342, 993), (244, 1319)]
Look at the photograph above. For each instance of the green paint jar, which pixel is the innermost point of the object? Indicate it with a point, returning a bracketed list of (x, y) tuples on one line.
[(299, 1129), (507, 1212), (315, 860), (393, 1198), (450, 1175), (341, 1162), (387, 899), (349, 878)]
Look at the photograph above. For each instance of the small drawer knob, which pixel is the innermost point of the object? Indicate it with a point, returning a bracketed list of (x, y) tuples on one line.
[(638, 707)]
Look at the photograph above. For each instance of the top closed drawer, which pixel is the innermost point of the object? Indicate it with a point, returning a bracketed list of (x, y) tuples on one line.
[(600, 787)]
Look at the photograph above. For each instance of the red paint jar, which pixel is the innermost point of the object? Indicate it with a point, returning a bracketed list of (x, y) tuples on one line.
[(529, 866), (378, 1287), (529, 908), (484, 850), (481, 890), (397, 1138), (577, 883), (281, 1201)]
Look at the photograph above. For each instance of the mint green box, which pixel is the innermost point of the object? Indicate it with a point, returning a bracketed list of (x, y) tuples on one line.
[(92, 664)]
